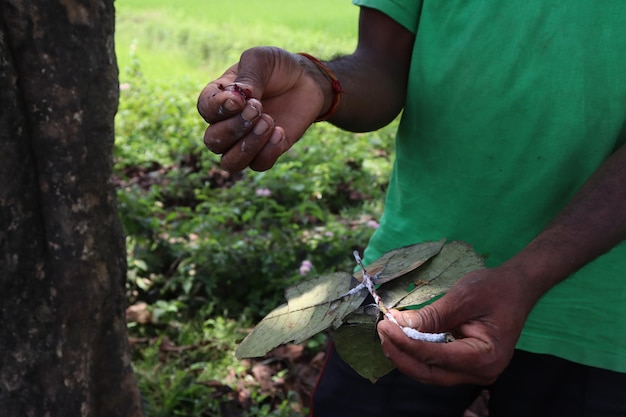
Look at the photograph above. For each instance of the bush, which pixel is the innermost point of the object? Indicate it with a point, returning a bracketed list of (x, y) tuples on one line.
[(199, 236), (209, 252)]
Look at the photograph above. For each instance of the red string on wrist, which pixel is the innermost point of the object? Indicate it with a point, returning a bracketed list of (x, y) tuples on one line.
[(334, 83)]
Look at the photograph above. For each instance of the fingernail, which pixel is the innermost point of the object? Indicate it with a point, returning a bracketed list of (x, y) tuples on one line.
[(261, 127), (276, 137), (382, 338), (231, 105), (249, 113), (412, 320)]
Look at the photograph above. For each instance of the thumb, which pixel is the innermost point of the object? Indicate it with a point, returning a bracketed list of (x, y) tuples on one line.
[(434, 318), (261, 66)]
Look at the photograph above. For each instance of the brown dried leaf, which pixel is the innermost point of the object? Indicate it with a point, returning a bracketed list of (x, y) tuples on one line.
[(312, 306), (357, 340), (400, 261), (358, 344), (432, 279)]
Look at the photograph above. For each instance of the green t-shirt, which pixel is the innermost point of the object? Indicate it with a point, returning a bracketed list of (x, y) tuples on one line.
[(511, 106)]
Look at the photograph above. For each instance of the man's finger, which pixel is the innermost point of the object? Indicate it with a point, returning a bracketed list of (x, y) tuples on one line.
[(273, 149), (221, 136), (428, 373), (462, 361), (241, 154), (256, 66), (217, 101)]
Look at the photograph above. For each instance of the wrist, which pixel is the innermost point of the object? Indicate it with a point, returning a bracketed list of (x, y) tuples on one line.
[(328, 83), (540, 267)]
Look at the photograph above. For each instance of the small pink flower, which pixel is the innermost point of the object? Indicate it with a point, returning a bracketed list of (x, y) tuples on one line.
[(373, 224), (263, 192), (125, 86), (305, 267)]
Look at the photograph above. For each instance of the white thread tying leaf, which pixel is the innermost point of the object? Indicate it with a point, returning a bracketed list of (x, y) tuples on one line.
[(414, 334)]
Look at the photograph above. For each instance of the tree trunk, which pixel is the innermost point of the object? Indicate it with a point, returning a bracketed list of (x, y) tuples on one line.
[(63, 345)]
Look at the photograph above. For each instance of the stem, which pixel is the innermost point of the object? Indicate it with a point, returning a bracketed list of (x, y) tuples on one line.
[(414, 334)]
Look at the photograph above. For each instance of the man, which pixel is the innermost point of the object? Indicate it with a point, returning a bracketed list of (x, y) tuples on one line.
[(512, 139)]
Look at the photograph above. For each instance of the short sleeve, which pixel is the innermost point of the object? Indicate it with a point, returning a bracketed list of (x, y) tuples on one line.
[(404, 12)]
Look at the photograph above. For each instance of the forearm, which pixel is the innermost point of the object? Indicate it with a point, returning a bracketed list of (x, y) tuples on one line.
[(373, 95), (590, 225), (373, 78)]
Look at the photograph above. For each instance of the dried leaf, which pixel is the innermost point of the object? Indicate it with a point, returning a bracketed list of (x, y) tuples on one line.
[(312, 306), (408, 276), (357, 340), (401, 261), (433, 279), (358, 344)]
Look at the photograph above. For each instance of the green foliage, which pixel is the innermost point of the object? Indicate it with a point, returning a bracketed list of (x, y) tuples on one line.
[(187, 371), (210, 252), (201, 236), (204, 245)]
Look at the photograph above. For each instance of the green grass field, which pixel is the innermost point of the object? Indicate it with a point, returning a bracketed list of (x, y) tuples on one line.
[(196, 39)]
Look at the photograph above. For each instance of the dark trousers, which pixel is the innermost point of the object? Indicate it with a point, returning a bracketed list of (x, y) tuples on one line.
[(531, 386)]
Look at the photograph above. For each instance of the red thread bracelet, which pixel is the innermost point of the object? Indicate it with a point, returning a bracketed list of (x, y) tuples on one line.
[(334, 83)]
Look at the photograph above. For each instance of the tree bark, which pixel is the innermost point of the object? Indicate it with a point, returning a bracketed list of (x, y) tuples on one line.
[(63, 344)]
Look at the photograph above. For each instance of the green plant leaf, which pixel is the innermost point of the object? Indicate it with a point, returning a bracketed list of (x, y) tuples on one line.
[(312, 306), (400, 261), (358, 344)]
